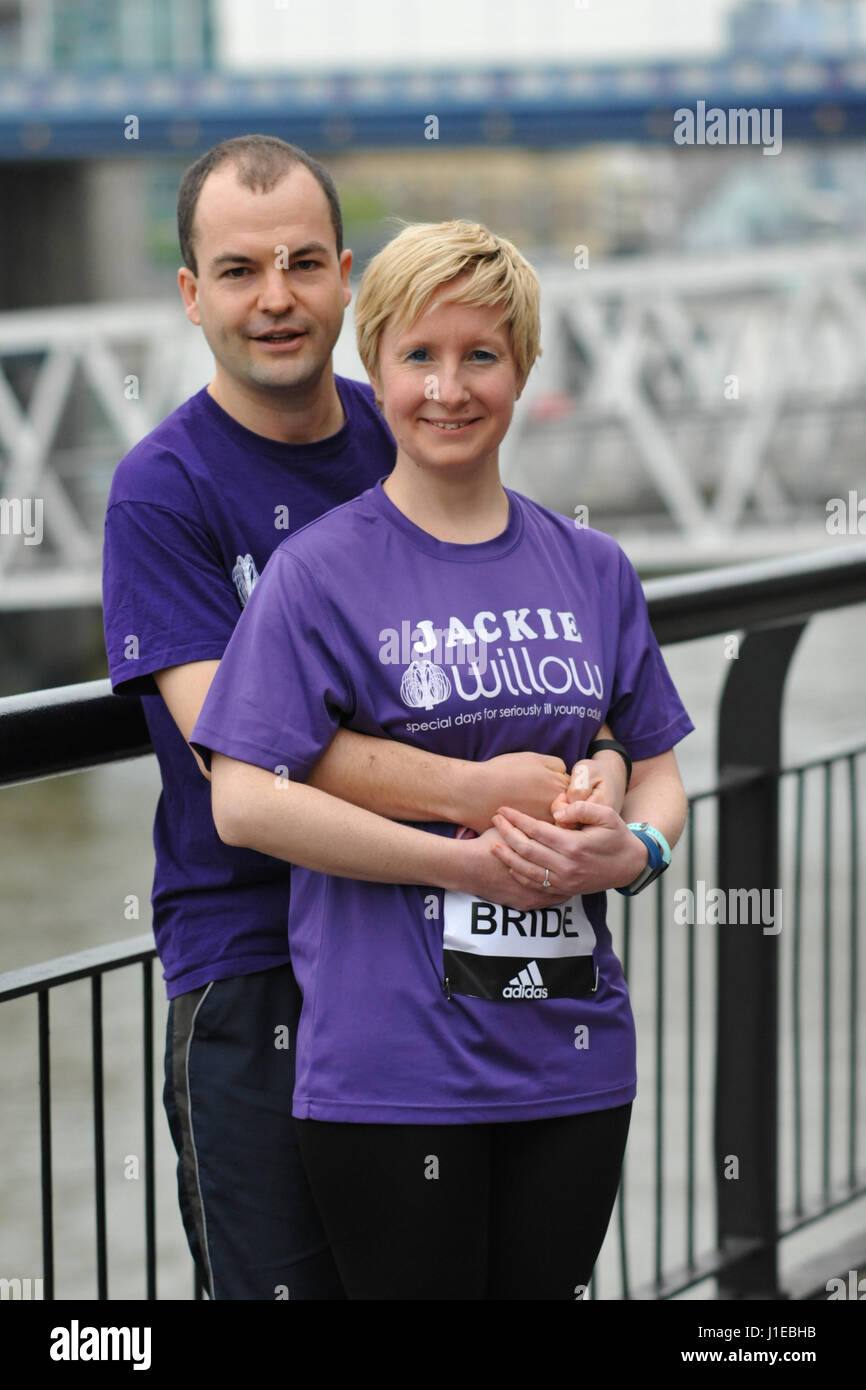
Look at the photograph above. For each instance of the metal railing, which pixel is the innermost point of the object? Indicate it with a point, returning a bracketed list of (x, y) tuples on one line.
[(78, 727)]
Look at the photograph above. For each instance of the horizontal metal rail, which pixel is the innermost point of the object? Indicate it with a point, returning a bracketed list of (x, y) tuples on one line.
[(82, 965), (73, 727)]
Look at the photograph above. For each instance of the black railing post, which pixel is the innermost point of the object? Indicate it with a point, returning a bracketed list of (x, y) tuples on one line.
[(99, 1137), (149, 1139), (749, 759), (45, 1146)]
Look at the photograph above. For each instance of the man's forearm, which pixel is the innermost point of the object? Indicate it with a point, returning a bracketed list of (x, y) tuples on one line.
[(401, 782), (392, 779)]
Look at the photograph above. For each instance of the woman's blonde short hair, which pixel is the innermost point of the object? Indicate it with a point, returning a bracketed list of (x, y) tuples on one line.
[(406, 273)]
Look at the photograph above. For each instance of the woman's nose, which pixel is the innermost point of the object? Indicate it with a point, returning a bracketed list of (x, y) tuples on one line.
[(451, 387)]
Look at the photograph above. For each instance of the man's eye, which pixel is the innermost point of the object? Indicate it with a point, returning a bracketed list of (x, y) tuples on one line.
[(305, 265), (235, 272)]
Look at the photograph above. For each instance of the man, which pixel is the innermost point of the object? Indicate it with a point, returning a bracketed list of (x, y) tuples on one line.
[(195, 511)]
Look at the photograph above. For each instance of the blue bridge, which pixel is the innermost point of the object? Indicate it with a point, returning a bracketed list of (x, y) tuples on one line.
[(82, 115)]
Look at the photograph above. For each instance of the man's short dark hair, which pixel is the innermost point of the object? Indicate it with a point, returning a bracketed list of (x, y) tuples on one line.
[(260, 162)]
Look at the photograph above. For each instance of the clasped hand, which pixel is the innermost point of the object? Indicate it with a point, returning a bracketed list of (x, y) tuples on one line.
[(588, 849)]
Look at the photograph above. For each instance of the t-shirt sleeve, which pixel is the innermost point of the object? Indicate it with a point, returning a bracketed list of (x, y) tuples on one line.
[(645, 712), (167, 599), (282, 688)]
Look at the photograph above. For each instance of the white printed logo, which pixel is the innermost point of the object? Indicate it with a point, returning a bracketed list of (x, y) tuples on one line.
[(527, 984), (479, 669), (246, 577), (424, 685)]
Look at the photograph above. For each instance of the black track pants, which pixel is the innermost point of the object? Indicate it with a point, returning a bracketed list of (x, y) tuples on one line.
[(249, 1216), (492, 1211)]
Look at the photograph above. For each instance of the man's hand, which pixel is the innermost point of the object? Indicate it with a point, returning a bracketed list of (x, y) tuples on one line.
[(528, 781)]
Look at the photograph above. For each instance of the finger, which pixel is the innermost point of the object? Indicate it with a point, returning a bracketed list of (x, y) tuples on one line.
[(590, 812), (531, 884), (532, 877), (568, 816), (551, 836), (600, 795), (511, 853), (581, 780), (530, 870), (533, 897), (526, 847)]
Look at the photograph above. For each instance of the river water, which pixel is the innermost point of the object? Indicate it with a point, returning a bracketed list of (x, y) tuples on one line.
[(76, 865)]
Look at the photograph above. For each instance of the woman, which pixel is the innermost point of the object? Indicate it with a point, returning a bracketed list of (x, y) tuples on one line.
[(465, 1069)]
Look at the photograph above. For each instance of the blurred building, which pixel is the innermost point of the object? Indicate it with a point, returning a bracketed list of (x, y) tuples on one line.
[(36, 35), (806, 28)]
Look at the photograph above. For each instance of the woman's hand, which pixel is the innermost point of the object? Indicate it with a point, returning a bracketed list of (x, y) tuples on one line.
[(604, 855), (483, 874), (600, 780)]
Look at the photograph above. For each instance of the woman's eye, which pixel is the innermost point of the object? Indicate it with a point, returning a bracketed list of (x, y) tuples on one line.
[(483, 355), (417, 355)]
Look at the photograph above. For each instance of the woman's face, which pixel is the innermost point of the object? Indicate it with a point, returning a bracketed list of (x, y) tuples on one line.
[(448, 384)]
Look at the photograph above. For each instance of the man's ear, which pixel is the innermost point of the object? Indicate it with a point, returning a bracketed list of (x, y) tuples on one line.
[(345, 268), (188, 286)]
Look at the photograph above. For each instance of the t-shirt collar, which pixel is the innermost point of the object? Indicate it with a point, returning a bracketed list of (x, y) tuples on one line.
[(476, 553)]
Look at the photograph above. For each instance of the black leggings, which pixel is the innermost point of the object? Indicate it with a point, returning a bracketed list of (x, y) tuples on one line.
[(477, 1211)]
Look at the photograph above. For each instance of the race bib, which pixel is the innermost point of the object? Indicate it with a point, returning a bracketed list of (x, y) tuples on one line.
[(495, 952)]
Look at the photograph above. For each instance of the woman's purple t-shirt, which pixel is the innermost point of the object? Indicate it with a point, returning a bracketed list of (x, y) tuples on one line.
[(526, 641)]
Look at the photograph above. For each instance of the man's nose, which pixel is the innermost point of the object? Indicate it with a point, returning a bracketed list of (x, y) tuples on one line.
[(276, 295)]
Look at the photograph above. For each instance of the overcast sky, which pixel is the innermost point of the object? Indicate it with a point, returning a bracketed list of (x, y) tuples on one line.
[(316, 34)]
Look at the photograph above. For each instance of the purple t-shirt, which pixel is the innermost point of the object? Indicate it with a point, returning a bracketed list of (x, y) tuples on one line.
[(195, 511), (526, 641)]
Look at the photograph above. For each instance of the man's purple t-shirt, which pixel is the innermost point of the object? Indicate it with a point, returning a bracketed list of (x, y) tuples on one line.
[(194, 513), (527, 641)]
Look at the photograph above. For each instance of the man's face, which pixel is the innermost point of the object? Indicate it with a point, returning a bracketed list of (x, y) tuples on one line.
[(270, 291)]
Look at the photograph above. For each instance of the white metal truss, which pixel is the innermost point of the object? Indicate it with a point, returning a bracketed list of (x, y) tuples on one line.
[(701, 405), (742, 350), (79, 357)]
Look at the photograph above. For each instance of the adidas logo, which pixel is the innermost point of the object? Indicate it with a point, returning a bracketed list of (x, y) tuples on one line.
[(528, 984)]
